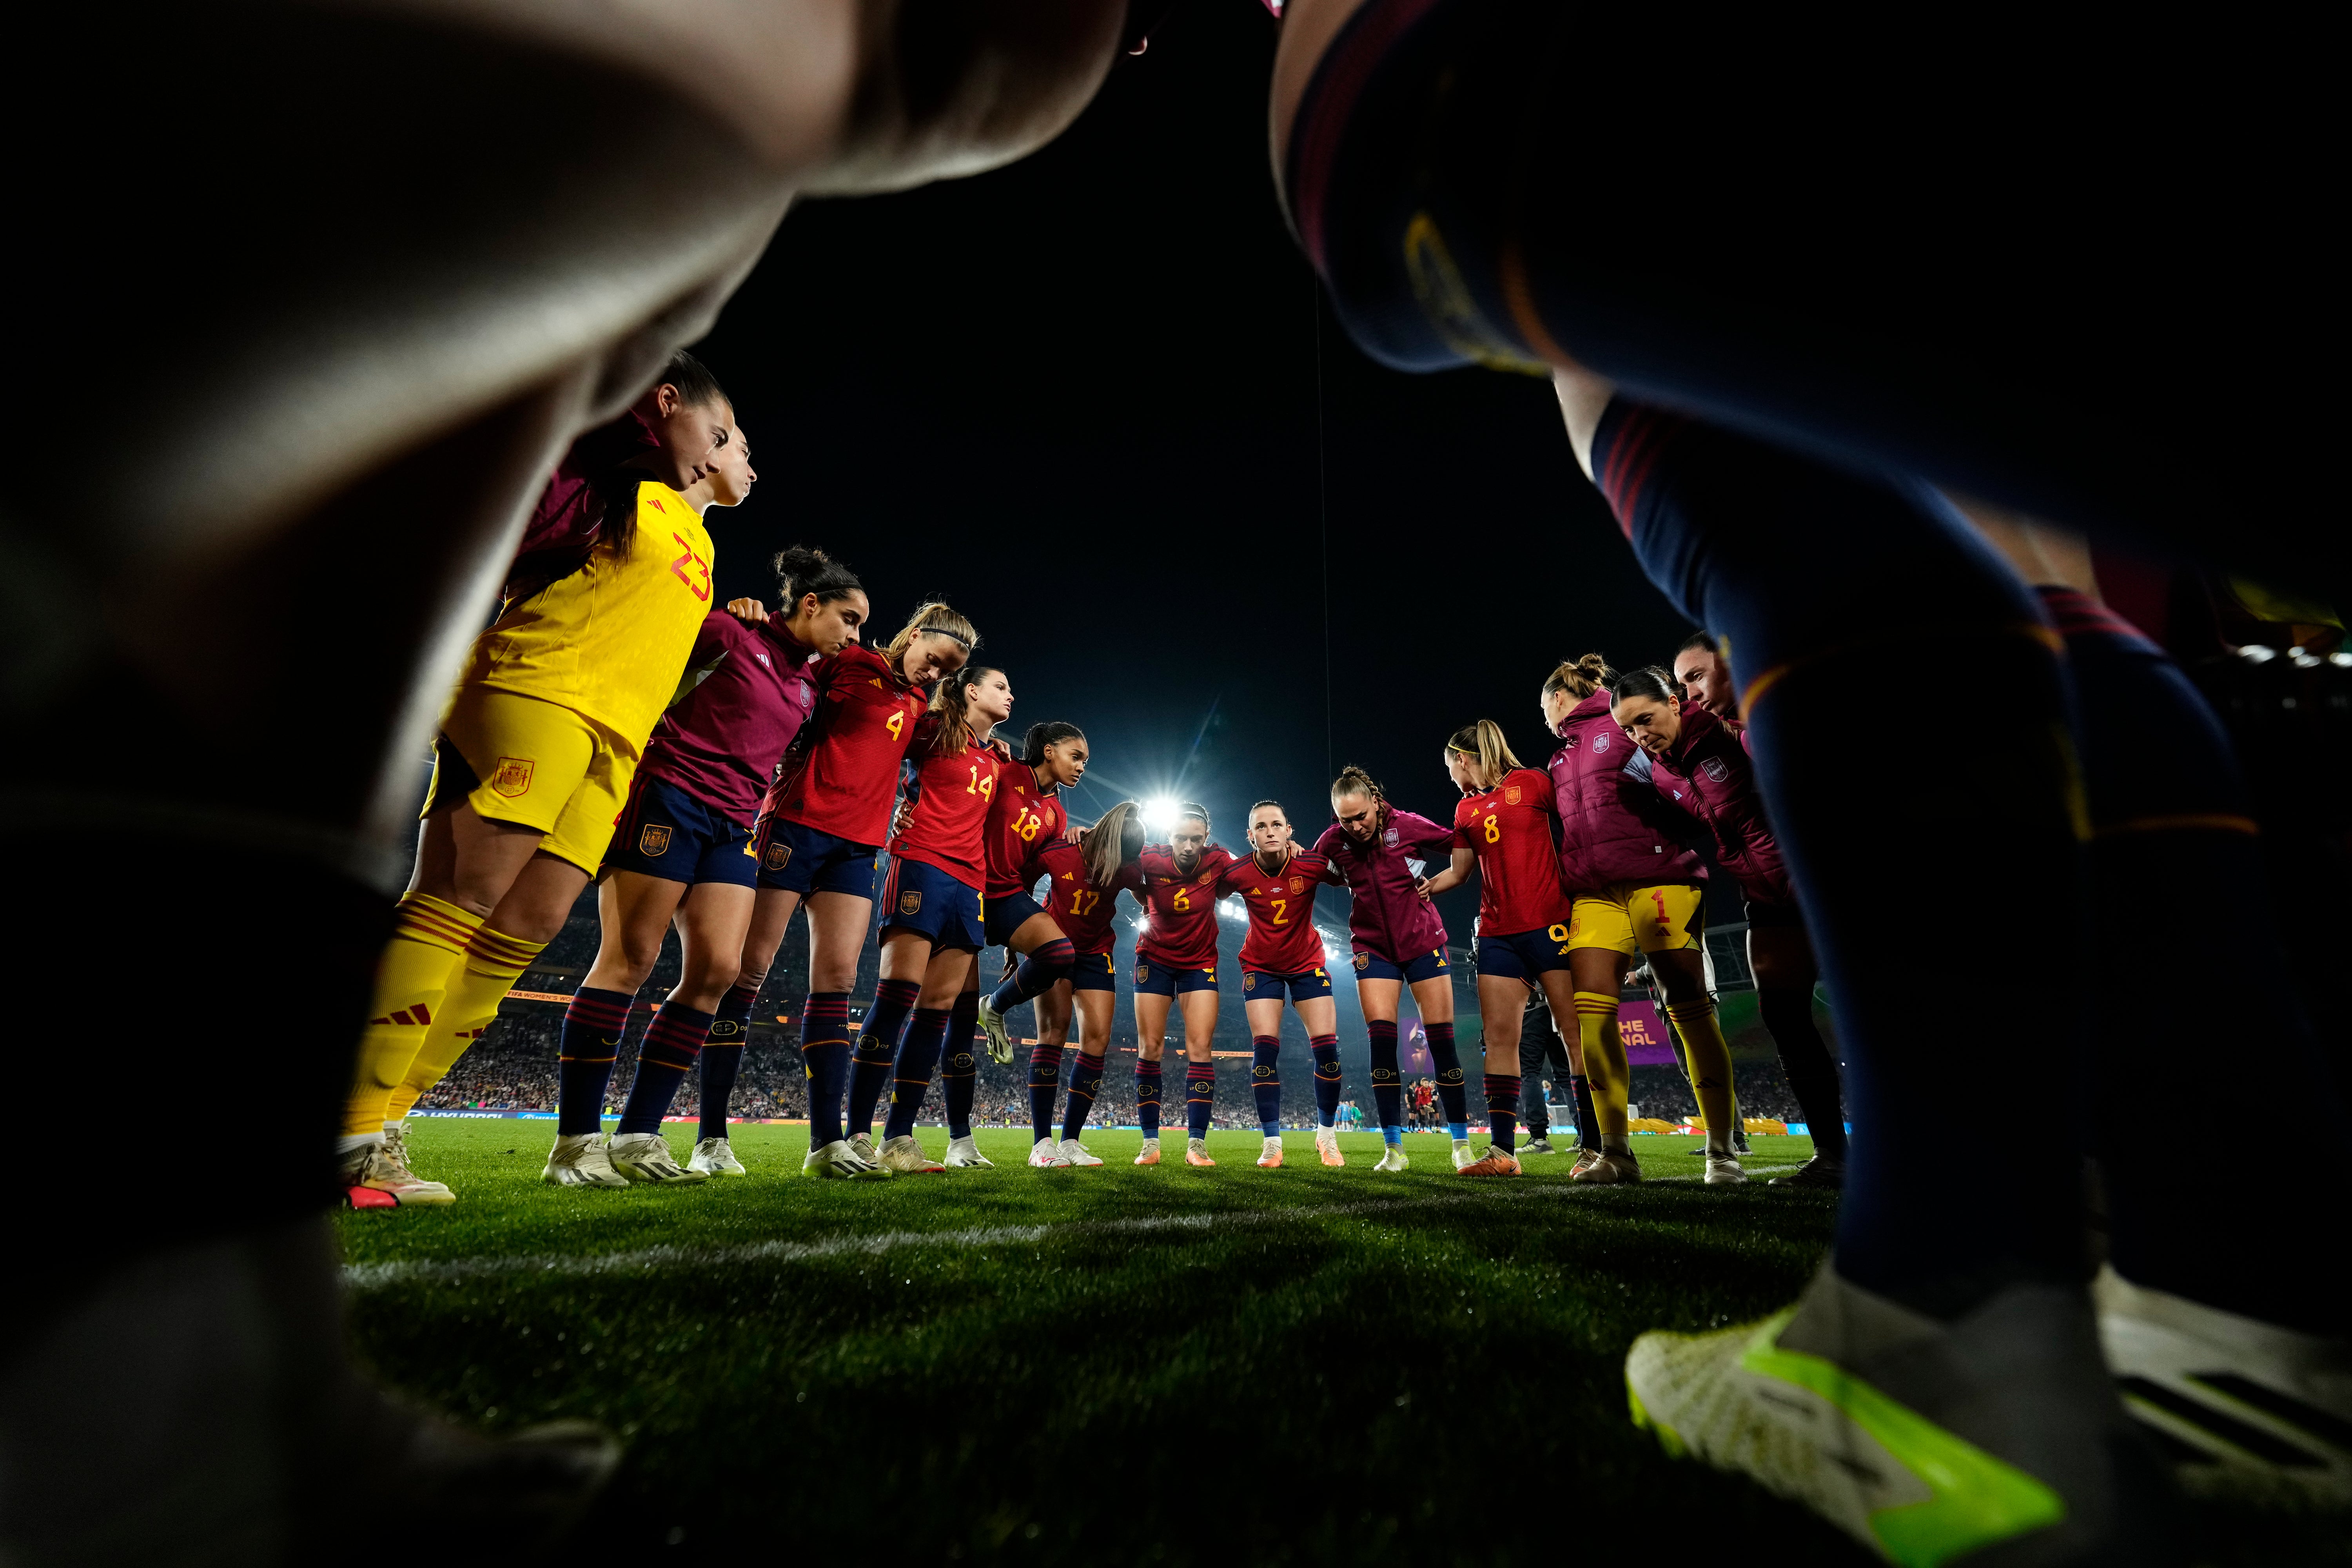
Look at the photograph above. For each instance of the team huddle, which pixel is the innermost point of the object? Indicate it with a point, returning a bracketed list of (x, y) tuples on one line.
[(716, 769)]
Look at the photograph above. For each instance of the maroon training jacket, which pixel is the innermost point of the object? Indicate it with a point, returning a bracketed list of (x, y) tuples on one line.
[(1706, 772), (1614, 825)]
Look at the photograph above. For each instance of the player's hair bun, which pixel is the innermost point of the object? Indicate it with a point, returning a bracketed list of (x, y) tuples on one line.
[(1580, 677), (800, 571)]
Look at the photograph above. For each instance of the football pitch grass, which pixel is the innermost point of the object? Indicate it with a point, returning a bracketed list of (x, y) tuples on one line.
[(1114, 1365)]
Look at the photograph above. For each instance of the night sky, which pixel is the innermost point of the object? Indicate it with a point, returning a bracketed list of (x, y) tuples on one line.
[(1078, 398)]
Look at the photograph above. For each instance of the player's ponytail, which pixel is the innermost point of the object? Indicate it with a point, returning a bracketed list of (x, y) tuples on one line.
[(800, 571), (937, 618), (951, 701), (1489, 752), (1114, 841), (1581, 678), (1650, 681), (1050, 734)]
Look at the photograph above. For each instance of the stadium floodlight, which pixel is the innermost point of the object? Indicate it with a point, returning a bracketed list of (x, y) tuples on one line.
[(1159, 813)]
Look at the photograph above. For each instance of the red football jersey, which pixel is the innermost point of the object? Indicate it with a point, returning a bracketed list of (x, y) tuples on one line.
[(1024, 819), (948, 825), (865, 719), (1083, 910), (1282, 936), (1184, 929), (1509, 826)]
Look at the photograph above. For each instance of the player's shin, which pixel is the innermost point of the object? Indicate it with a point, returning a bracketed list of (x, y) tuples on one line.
[(1199, 1097), (1710, 1062), (1147, 1099), (1044, 1086), (428, 942), (918, 1058), (1265, 1083), (1610, 1081), (877, 1048), (1326, 1051), (1086, 1083), (959, 1065), (1450, 1094), (1038, 974), (825, 1053), (722, 1057), (593, 1027), (1503, 1110), (672, 1043), (1388, 1085)]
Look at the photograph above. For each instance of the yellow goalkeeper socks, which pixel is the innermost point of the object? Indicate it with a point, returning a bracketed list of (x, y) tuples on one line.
[(494, 961), (1604, 1065), (1710, 1067), (428, 939)]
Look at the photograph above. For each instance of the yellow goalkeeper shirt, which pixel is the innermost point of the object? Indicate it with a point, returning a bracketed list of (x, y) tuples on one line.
[(611, 640)]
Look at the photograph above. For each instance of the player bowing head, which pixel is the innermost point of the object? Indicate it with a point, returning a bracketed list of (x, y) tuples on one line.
[(681, 856), (1083, 883), (730, 478), (1503, 828), (1027, 811), (1398, 939), (538, 745), (1282, 955), (1177, 958), (1636, 889), (820, 836), (931, 934), (1706, 678)]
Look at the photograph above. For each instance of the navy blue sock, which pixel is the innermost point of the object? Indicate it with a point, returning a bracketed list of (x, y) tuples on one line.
[(1587, 1124), (910, 1076), (1451, 1096), (1787, 1015), (722, 1058), (1044, 1086), (1814, 576), (1086, 1083), (593, 1027), (1038, 974), (960, 1074), (1199, 1097), (877, 1050), (1503, 1110), (825, 1053), (665, 1059), (1388, 1086), (1147, 1096), (1325, 1050), (1266, 1082)]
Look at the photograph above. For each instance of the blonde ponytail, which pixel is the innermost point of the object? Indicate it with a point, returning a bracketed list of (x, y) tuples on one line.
[(1484, 742)]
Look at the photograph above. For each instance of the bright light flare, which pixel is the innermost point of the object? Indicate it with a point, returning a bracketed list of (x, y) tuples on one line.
[(1159, 813)]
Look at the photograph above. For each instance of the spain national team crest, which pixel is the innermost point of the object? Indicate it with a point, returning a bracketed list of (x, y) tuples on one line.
[(1388, 837), (1142, 972), (1205, 878), (1599, 744), (1363, 961), (653, 840), (779, 856), (1299, 884), (1249, 979), (1715, 768), (1511, 796), (909, 903), (512, 776)]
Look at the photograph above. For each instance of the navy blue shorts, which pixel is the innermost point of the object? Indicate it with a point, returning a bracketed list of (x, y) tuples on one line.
[(667, 833), (1523, 955), (802, 860), (1422, 966), (1159, 980), (920, 897), (1093, 972), (1006, 913), (1258, 984)]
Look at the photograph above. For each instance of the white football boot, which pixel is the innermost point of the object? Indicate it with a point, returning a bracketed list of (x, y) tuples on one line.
[(1723, 1169), (2252, 1412), (1926, 1440), (1541, 1145), (862, 1149), (837, 1161), (1269, 1157), (1077, 1154), (645, 1157), (1462, 1154), (712, 1157), (1392, 1158), (1000, 1038), (963, 1154), (902, 1156), (379, 1166), (1046, 1156), (579, 1160)]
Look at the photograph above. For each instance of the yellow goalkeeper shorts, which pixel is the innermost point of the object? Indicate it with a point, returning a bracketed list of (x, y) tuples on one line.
[(537, 765), (1640, 917)]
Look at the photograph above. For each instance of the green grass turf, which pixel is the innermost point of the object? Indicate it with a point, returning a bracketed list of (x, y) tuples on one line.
[(1306, 1366)]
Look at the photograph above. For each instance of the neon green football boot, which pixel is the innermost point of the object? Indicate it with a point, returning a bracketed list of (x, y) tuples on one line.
[(1929, 1441)]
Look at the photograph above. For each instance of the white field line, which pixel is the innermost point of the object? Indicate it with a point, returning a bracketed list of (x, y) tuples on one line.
[(366, 1277)]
